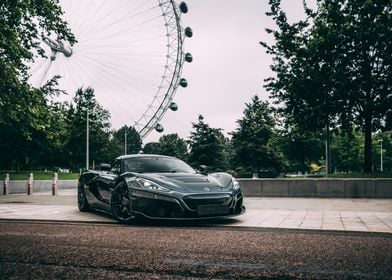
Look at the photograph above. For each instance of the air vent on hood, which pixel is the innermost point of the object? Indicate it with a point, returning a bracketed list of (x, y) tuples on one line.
[(191, 179)]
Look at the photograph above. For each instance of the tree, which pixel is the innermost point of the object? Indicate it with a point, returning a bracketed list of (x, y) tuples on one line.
[(23, 109), (22, 127), (207, 147), (333, 69), (29, 126), (169, 145), (251, 140), (347, 151), (173, 145), (152, 148), (134, 142), (84, 103), (301, 149)]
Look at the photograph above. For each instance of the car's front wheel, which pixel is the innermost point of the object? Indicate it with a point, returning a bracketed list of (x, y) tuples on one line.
[(120, 203), (82, 199)]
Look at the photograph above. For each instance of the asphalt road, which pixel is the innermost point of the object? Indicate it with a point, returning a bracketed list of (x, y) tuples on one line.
[(31, 250)]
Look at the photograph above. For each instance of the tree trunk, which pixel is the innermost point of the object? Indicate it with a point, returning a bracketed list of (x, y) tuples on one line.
[(367, 167)]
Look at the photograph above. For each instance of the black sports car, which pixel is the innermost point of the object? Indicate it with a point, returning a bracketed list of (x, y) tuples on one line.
[(158, 187)]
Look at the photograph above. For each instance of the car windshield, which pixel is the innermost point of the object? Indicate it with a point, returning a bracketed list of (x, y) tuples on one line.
[(156, 165)]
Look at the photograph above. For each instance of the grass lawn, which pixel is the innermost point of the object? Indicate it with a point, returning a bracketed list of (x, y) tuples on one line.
[(39, 175)]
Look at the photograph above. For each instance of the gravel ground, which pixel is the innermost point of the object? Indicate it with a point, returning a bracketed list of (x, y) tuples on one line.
[(31, 250)]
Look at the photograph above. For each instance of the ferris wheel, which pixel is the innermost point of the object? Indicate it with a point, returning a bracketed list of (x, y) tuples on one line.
[(129, 51)]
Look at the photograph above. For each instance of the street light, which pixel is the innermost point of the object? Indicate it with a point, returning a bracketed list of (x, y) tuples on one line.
[(382, 164), (125, 141), (87, 140)]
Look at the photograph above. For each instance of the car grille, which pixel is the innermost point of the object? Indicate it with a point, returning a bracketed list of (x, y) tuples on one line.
[(193, 201)]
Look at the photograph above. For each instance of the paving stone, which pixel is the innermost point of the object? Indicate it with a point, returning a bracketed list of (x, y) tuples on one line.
[(299, 213)]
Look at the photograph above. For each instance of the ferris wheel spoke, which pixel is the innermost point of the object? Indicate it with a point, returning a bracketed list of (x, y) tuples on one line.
[(121, 106), (132, 16), (129, 51), (108, 99), (120, 35), (120, 57), (98, 19), (107, 63), (118, 22), (38, 66), (119, 70), (81, 22), (95, 35), (122, 80)]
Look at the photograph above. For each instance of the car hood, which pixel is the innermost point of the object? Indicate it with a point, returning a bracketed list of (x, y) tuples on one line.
[(188, 183)]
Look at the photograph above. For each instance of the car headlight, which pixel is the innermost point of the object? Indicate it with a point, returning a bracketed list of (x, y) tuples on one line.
[(149, 185), (236, 185)]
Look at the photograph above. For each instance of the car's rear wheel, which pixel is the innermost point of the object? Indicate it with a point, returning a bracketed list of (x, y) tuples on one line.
[(120, 203), (82, 199)]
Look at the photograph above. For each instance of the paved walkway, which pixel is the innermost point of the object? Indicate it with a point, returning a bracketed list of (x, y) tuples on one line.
[(368, 215)]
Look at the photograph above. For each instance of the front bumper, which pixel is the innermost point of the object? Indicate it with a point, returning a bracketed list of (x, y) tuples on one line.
[(177, 206)]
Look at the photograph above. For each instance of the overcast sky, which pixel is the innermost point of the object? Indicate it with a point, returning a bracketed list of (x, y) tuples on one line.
[(122, 48), (229, 63)]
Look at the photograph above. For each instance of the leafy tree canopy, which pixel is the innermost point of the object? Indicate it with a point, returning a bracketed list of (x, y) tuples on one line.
[(251, 140), (24, 111), (333, 68), (173, 145), (152, 148), (207, 147), (134, 142), (169, 145), (86, 106), (301, 149)]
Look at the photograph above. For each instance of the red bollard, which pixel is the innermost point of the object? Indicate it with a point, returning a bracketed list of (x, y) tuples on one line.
[(54, 183), (30, 184), (6, 183)]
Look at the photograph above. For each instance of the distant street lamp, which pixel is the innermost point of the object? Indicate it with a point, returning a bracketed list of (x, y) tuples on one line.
[(125, 140), (382, 164), (87, 140)]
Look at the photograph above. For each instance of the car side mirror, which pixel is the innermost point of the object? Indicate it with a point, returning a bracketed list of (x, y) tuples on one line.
[(115, 170), (203, 169), (104, 167)]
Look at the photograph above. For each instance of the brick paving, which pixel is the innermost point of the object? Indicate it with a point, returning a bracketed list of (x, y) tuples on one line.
[(366, 215)]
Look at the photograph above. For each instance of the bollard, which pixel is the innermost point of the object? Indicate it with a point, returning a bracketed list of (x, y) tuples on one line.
[(6, 183), (30, 184), (54, 183)]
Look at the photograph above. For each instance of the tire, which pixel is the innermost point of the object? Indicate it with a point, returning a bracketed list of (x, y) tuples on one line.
[(120, 204), (82, 199)]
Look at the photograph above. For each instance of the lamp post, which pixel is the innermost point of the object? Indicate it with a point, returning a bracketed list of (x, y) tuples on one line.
[(87, 140), (381, 159), (328, 151), (125, 140)]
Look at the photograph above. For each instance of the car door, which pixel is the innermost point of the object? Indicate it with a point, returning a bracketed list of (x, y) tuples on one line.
[(106, 182)]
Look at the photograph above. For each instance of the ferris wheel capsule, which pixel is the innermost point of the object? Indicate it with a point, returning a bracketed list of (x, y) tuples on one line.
[(188, 57), (183, 82), (183, 7), (188, 32), (173, 106), (159, 128)]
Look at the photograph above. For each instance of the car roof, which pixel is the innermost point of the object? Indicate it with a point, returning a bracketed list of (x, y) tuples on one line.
[(141, 156)]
